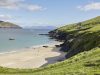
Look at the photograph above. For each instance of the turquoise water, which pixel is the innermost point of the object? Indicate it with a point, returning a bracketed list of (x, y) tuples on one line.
[(23, 38)]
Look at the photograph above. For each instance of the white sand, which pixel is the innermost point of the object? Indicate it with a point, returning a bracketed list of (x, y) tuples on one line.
[(33, 57)]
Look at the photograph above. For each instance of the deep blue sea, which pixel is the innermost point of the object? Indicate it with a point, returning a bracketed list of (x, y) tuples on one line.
[(23, 38)]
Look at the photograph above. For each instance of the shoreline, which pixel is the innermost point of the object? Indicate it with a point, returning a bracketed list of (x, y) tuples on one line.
[(35, 46), (32, 57)]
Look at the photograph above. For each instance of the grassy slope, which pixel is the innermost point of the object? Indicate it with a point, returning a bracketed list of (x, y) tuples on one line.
[(84, 39), (79, 37), (8, 25)]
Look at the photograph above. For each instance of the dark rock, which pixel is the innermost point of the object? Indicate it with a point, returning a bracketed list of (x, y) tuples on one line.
[(57, 45), (43, 34), (11, 39), (45, 46)]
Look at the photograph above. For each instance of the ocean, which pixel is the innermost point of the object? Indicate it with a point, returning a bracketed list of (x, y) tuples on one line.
[(23, 38)]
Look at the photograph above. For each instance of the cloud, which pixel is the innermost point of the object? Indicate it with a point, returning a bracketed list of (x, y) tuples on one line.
[(90, 6), (19, 4), (5, 17), (34, 7), (10, 4)]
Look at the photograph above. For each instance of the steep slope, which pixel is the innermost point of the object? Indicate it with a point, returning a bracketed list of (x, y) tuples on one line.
[(79, 37), (8, 25)]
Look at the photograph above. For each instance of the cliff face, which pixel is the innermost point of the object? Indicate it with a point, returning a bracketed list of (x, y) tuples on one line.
[(79, 37), (8, 25)]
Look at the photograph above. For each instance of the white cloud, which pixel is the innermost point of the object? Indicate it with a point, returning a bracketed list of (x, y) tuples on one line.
[(90, 6), (5, 17), (10, 4), (34, 7), (19, 4)]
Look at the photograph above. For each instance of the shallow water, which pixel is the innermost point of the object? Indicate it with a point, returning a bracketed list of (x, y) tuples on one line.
[(23, 38)]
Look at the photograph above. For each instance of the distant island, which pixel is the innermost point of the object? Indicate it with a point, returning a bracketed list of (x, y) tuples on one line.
[(4, 24)]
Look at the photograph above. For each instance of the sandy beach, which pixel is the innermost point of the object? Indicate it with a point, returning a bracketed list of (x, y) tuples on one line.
[(33, 57)]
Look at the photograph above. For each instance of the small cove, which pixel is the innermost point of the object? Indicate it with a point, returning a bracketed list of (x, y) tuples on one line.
[(24, 38)]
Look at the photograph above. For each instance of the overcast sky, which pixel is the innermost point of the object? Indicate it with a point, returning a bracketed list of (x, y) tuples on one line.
[(48, 12)]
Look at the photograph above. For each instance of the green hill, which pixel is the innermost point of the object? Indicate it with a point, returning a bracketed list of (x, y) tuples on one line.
[(79, 37), (8, 25), (82, 44)]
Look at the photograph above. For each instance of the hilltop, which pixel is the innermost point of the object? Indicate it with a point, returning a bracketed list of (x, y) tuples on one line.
[(8, 25)]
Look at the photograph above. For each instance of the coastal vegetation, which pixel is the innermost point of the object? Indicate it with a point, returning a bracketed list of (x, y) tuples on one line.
[(82, 44), (79, 37), (8, 25)]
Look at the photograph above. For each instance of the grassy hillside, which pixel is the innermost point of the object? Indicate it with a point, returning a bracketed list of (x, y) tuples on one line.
[(8, 25), (82, 44), (79, 37)]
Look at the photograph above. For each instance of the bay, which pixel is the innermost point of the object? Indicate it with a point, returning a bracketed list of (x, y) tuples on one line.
[(23, 38)]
